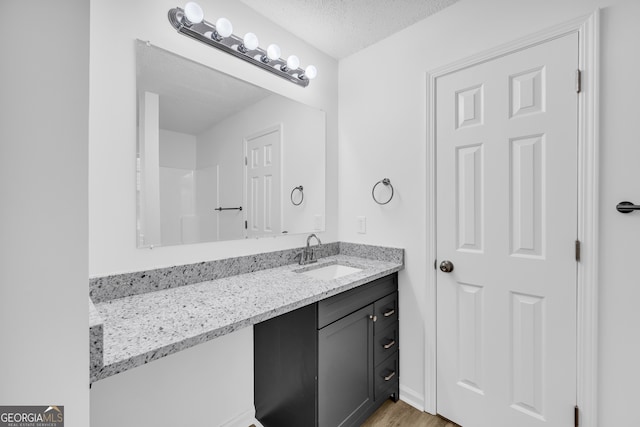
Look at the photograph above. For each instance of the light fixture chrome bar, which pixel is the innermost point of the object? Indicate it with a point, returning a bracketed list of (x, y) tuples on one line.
[(231, 44)]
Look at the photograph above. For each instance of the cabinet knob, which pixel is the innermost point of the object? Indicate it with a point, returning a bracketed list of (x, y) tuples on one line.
[(374, 318)]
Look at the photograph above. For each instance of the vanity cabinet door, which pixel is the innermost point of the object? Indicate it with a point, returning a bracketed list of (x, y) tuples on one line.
[(345, 369), (285, 369), (331, 363)]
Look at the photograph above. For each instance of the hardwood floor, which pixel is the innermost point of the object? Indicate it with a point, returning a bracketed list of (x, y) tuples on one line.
[(401, 414)]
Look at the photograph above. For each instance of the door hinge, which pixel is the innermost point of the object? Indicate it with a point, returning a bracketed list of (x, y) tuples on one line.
[(576, 416), (435, 264), (578, 250), (245, 225), (246, 162), (578, 81)]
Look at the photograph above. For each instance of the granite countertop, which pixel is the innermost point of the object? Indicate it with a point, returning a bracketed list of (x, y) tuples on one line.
[(140, 328)]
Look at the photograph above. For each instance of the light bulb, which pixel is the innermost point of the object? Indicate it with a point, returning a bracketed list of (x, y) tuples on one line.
[(293, 62), (273, 52), (310, 72), (224, 27), (193, 12), (250, 41)]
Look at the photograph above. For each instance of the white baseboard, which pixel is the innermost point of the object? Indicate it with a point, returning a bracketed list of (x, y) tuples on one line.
[(412, 397), (244, 419)]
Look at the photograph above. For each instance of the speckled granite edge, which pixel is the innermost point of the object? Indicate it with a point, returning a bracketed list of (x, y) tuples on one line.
[(96, 341), (107, 288), (94, 316), (379, 253)]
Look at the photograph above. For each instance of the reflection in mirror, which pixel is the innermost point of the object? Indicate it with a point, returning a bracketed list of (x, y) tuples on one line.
[(218, 157)]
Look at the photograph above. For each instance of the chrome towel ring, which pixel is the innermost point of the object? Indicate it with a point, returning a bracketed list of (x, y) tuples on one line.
[(299, 188), (387, 183)]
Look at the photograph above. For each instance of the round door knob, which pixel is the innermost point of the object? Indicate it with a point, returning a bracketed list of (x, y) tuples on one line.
[(446, 266)]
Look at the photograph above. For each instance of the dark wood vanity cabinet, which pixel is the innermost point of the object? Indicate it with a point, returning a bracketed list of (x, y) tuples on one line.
[(329, 364)]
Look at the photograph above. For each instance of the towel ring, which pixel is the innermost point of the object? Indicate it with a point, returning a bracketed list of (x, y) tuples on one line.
[(386, 182), (299, 188)]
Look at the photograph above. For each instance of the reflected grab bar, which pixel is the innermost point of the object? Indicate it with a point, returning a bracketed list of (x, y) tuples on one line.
[(228, 209)]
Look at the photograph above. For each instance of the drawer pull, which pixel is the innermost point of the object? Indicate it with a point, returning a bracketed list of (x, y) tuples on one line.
[(389, 345), (391, 375), (389, 313)]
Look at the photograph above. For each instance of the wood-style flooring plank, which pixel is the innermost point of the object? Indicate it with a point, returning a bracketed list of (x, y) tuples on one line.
[(401, 414)]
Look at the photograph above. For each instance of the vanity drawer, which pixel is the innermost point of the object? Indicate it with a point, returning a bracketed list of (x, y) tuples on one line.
[(338, 306), (386, 377), (386, 312), (385, 343)]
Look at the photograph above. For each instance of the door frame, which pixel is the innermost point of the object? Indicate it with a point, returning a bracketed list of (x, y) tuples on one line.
[(587, 28)]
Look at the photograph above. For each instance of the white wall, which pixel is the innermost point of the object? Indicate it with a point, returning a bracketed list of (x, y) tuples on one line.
[(177, 150), (44, 87), (383, 134), (619, 234), (115, 24)]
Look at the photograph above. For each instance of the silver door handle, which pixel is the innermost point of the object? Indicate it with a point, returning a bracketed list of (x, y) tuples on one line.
[(446, 266)]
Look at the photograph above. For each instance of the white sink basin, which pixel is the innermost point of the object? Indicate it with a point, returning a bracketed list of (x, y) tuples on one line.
[(332, 271)]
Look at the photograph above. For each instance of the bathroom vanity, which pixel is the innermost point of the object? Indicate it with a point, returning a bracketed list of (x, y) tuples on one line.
[(143, 316), (330, 363)]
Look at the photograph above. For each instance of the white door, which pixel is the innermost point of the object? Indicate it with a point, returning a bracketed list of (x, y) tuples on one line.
[(506, 141), (263, 188)]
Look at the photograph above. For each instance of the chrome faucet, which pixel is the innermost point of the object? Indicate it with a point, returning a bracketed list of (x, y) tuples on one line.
[(308, 255)]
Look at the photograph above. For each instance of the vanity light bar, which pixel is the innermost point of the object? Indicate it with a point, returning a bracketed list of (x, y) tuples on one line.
[(190, 22)]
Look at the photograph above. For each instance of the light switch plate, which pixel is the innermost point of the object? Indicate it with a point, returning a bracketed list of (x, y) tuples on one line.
[(362, 224), (318, 223)]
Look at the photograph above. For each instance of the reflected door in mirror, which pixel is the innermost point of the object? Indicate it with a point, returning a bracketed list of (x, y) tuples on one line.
[(264, 195)]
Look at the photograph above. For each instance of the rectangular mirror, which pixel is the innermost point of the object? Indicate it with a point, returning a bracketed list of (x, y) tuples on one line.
[(221, 159)]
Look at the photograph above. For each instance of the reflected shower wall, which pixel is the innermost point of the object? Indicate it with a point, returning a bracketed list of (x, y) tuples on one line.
[(187, 193)]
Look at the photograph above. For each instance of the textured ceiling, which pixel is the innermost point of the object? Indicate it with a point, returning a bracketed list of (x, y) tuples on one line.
[(342, 27)]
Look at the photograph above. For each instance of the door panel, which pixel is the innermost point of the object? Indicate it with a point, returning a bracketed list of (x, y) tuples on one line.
[(470, 197), (469, 332), (263, 178), (527, 212), (506, 144), (527, 326)]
